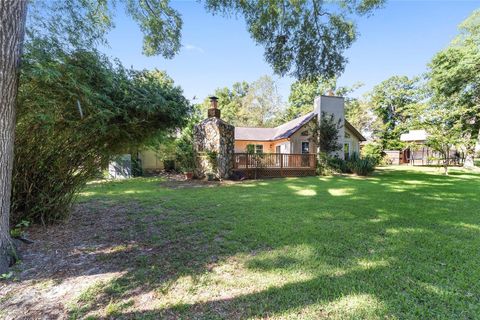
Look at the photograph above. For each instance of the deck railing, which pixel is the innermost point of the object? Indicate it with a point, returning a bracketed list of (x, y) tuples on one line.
[(275, 160)]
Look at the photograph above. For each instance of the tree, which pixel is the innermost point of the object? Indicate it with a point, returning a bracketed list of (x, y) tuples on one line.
[(262, 103), (455, 78), (309, 38), (305, 39), (230, 102), (325, 133), (256, 104), (360, 115), (393, 102), (444, 130), (75, 111), (12, 23)]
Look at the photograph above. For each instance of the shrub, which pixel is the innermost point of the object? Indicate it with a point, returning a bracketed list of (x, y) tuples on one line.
[(328, 165), (75, 111), (373, 150), (361, 166)]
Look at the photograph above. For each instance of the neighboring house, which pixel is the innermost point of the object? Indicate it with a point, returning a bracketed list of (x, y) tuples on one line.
[(294, 136), (419, 153)]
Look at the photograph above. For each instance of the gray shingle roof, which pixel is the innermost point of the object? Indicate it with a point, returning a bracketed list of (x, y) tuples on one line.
[(269, 134), (283, 131)]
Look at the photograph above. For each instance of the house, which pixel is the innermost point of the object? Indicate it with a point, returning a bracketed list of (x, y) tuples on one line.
[(418, 152), (294, 137)]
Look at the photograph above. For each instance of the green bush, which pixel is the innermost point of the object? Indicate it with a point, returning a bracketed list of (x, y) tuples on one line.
[(362, 166), (75, 111), (328, 165), (373, 150)]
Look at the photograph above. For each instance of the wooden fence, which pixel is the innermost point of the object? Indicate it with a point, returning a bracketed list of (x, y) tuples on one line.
[(263, 165)]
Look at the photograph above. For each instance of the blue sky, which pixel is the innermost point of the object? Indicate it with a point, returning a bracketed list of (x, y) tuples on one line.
[(399, 39)]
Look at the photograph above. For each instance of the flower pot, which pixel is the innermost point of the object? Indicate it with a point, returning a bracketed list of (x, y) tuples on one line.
[(189, 175)]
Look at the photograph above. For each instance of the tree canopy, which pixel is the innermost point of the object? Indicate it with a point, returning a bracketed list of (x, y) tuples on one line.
[(305, 39), (454, 78), (255, 104), (393, 102)]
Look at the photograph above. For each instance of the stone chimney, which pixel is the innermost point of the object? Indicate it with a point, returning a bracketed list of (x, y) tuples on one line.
[(213, 136), (213, 111)]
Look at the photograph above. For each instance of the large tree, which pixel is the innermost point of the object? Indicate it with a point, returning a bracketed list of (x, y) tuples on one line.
[(262, 103), (306, 39), (393, 102), (12, 24), (231, 102), (455, 78), (255, 104)]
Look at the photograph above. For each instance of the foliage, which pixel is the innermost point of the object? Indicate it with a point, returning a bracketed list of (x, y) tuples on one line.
[(373, 150), (361, 166), (184, 153), (360, 115), (256, 104), (394, 102), (324, 133), (328, 165), (231, 103), (444, 130), (454, 79), (83, 24), (303, 94), (250, 148), (303, 38), (76, 110), (212, 157), (262, 103)]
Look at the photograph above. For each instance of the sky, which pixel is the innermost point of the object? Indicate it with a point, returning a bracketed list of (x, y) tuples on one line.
[(398, 39)]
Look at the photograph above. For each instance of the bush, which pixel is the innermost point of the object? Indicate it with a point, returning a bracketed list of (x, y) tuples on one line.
[(328, 165), (361, 166), (373, 150), (75, 111)]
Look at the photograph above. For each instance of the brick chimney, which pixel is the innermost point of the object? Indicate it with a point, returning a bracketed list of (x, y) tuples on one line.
[(213, 111)]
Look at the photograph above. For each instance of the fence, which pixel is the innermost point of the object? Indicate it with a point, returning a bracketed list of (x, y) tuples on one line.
[(262, 165)]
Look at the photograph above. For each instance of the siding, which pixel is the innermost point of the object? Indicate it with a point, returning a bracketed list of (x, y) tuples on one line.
[(150, 160)]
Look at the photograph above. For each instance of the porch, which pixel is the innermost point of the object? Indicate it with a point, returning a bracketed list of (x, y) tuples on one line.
[(270, 165)]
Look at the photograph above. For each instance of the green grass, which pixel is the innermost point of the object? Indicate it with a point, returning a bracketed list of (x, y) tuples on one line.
[(401, 244)]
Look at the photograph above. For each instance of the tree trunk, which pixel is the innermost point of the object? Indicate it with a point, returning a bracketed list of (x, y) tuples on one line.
[(12, 30), (445, 161)]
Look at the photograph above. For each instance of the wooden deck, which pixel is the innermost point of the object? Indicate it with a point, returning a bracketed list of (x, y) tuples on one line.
[(270, 165)]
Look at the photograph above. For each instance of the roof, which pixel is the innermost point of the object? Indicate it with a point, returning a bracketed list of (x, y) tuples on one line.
[(354, 131), (414, 135), (283, 131), (270, 134)]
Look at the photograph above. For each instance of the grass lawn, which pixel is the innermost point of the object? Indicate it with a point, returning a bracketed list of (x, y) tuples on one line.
[(401, 244)]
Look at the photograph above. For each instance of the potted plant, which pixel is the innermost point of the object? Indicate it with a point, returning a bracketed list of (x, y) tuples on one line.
[(188, 172)]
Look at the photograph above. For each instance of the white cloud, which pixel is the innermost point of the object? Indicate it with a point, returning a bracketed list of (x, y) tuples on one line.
[(194, 48)]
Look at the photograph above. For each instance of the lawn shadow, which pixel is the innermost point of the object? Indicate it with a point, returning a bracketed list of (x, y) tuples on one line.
[(397, 244)]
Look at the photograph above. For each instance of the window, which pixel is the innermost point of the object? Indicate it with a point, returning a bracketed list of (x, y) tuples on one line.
[(305, 147), (346, 151), (254, 148)]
